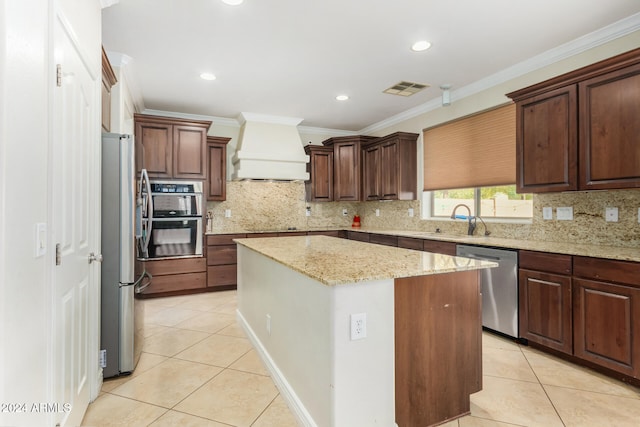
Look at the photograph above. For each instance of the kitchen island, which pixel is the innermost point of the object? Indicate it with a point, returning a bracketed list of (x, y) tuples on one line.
[(356, 334)]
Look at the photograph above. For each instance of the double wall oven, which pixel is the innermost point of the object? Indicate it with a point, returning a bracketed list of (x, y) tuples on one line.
[(174, 219)]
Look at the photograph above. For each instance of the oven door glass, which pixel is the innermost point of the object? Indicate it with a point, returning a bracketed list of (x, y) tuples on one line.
[(174, 237), (175, 205)]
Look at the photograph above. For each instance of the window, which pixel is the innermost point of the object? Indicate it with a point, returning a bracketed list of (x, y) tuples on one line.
[(488, 202)]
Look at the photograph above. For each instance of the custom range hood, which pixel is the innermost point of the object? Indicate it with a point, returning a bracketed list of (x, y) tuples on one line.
[(269, 148)]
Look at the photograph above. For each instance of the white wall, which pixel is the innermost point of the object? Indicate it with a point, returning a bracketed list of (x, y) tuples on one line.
[(23, 180), (26, 79)]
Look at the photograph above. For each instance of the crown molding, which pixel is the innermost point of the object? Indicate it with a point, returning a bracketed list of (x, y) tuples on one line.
[(310, 130), (124, 63), (107, 3), (268, 118), (219, 121)]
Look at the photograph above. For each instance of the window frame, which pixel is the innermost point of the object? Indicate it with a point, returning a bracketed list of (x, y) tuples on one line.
[(428, 203)]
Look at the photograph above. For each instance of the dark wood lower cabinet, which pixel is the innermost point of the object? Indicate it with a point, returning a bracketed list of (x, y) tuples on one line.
[(545, 309), (606, 325), (222, 261), (172, 276)]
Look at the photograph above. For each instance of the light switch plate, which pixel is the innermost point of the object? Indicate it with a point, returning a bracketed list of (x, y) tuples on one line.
[(564, 213), (410, 212), (41, 239), (227, 213), (377, 212), (547, 212), (611, 214)]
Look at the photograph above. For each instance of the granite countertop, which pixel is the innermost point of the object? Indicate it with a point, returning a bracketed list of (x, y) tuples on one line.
[(596, 251), (589, 250), (334, 261)]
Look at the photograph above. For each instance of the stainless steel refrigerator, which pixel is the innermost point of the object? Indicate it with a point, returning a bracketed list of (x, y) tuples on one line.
[(121, 313)]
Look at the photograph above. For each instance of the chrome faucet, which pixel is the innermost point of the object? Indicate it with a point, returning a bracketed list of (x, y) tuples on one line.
[(472, 220)]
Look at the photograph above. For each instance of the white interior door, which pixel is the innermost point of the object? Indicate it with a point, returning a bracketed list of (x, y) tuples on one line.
[(73, 203)]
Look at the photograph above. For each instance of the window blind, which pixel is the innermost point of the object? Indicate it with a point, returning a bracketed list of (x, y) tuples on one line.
[(473, 151)]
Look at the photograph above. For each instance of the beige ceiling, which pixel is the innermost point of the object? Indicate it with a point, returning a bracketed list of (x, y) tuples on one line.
[(292, 57)]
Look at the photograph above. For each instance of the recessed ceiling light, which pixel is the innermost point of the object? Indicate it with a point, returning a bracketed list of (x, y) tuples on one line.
[(207, 76), (232, 2), (342, 97), (420, 46)]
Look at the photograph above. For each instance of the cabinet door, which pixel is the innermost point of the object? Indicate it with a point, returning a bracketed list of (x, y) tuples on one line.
[(371, 172), (606, 323), (545, 309), (154, 149), (546, 142), (217, 168), (389, 179), (346, 156), (610, 130), (320, 168), (189, 152)]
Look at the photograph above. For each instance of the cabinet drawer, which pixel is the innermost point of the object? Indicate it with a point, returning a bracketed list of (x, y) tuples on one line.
[(411, 243), (383, 239), (163, 267), (440, 247), (218, 275), (626, 272), (257, 235), (356, 235), (542, 261), (176, 282), (221, 255), (292, 233), (331, 233), (223, 239)]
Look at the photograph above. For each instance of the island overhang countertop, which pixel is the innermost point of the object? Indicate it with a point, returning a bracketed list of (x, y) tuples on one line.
[(334, 261)]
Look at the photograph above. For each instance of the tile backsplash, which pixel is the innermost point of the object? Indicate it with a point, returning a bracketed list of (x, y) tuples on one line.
[(264, 205)]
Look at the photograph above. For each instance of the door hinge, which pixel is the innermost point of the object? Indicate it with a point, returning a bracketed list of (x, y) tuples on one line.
[(58, 254), (58, 75)]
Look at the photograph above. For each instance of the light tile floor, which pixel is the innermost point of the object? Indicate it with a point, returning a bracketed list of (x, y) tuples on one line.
[(198, 369)]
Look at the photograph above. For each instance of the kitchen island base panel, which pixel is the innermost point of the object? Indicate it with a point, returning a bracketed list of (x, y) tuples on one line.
[(438, 347), (325, 378), (417, 366)]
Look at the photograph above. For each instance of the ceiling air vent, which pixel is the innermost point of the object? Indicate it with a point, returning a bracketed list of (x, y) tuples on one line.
[(405, 88)]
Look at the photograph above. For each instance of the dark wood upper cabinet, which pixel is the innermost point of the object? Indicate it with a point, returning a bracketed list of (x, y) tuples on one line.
[(171, 148), (217, 168), (373, 168), (547, 136), (610, 130), (389, 167), (319, 187), (581, 130), (347, 170), (108, 80)]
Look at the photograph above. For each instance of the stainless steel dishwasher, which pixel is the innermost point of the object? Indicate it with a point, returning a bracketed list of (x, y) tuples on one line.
[(499, 287)]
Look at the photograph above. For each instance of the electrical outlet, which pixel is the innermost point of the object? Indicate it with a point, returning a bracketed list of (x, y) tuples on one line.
[(377, 212), (344, 212), (410, 211), (268, 324), (358, 326), (611, 214), (564, 213), (227, 213), (547, 212)]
